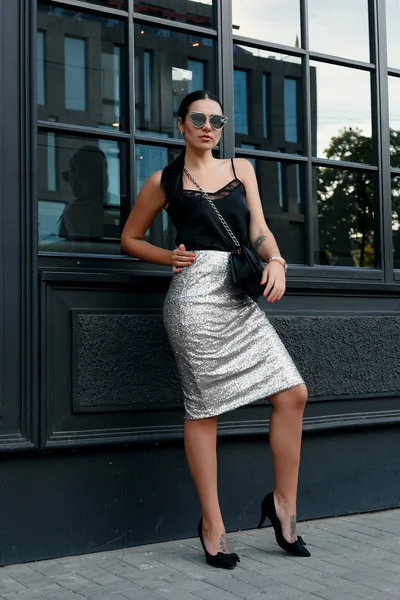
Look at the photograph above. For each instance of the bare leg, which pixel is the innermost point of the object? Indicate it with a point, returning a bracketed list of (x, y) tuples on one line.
[(285, 443), (201, 454)]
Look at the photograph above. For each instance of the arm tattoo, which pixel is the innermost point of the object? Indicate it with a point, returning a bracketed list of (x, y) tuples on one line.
[(223, 543), (259, 241), (293, 528)]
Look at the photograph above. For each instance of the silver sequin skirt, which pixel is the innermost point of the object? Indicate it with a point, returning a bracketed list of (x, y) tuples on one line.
[(227, 352)]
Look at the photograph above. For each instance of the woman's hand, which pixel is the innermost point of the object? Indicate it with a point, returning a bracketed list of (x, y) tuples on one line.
[(181, 258), (275, 281)]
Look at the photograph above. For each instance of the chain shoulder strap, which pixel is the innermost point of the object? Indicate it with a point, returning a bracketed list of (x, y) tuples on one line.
[(221, 218)]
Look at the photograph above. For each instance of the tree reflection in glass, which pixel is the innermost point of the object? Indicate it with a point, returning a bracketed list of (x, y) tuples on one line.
[(345, 200)]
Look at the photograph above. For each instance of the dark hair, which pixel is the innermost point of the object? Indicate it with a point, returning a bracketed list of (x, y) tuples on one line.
[(171, 179)]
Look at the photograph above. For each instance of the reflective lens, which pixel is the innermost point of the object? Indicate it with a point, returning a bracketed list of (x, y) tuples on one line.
[(198, 120), (218, 121)]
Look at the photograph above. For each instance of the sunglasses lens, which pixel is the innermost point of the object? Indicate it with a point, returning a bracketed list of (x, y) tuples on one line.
[(198, 119), (217, 121)]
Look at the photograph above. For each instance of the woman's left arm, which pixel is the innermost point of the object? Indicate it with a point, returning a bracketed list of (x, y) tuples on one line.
[(261, 237)]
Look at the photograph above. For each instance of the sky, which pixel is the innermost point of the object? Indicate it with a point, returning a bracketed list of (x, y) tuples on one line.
[(338, 27)]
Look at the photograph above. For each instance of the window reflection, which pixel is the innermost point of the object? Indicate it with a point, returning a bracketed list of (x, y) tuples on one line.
[(148, 160), (281, 190), (81, 188), (394, 120), (196, 82), (268, 20), (51, 162), (241, 102), (341, 113), (345, 230), (264, 104), (193, 12), (74, 73), (272, 83), (251, 160), (392, 28), (40, 91), (291, 103), (169, 65), (396, 219), (185, 81), (79, 58), (120, 4), (339, 28)]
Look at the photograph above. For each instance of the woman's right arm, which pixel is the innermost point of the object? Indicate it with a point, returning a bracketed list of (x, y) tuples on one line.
[(148, 204)]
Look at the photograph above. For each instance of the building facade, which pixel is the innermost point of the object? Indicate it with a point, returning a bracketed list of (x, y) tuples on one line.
[(90, 407)]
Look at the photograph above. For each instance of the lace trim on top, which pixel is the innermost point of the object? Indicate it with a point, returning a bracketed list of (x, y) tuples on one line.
[(222, 193)]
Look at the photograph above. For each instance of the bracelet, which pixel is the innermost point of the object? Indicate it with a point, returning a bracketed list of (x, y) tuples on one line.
[(281, 260)]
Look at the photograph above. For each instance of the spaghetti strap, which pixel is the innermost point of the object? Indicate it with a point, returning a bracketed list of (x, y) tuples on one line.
[(233, 168)]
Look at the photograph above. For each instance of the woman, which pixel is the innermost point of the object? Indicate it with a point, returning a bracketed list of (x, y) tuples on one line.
[(227, 353)]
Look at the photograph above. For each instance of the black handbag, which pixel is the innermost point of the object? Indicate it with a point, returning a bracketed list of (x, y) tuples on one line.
[(247, 270), (246, 267)]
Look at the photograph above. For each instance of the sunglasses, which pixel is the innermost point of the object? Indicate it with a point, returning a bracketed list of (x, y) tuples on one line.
[(199, 119)]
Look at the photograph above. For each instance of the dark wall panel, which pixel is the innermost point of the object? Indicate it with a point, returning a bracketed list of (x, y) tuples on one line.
[(108, 373), (344, 355), (125, 360), (93, 501), (122, 360), (107, 370)]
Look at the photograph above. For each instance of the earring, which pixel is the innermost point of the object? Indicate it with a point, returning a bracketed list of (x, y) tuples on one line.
[(182, 133)]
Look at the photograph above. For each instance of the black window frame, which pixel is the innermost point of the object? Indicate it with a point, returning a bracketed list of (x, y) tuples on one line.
[(224, 38)]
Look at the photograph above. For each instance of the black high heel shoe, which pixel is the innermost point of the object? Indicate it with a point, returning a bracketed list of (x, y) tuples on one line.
[(220, 560), (268, 510)]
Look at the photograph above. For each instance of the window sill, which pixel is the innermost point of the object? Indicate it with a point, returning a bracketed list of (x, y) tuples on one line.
[(74, 267)]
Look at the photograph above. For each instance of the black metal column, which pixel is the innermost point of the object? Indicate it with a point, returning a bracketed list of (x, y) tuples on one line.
[(18, 302)]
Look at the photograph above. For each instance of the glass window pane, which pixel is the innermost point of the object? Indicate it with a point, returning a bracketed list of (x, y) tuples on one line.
[(193, 12), (196, 67), (241, 102), (120, 4), (268, 20), (82, 60), (394, 120), (281, 191), (51, 162), (169, 65), (396, 219), (392, 28), (291, 102), (148, 160), (75, 73), (345, 227), (268, 100), (264, 104), (340, 28), (111, 83), (341, 113), (82, 185), (40, 68), (251, 160), (146, 86)]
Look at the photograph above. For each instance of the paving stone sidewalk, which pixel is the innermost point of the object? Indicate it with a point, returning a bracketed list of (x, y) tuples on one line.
[(352, 557)]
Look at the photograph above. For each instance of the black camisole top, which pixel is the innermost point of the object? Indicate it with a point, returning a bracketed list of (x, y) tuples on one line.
[(197, 224)]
